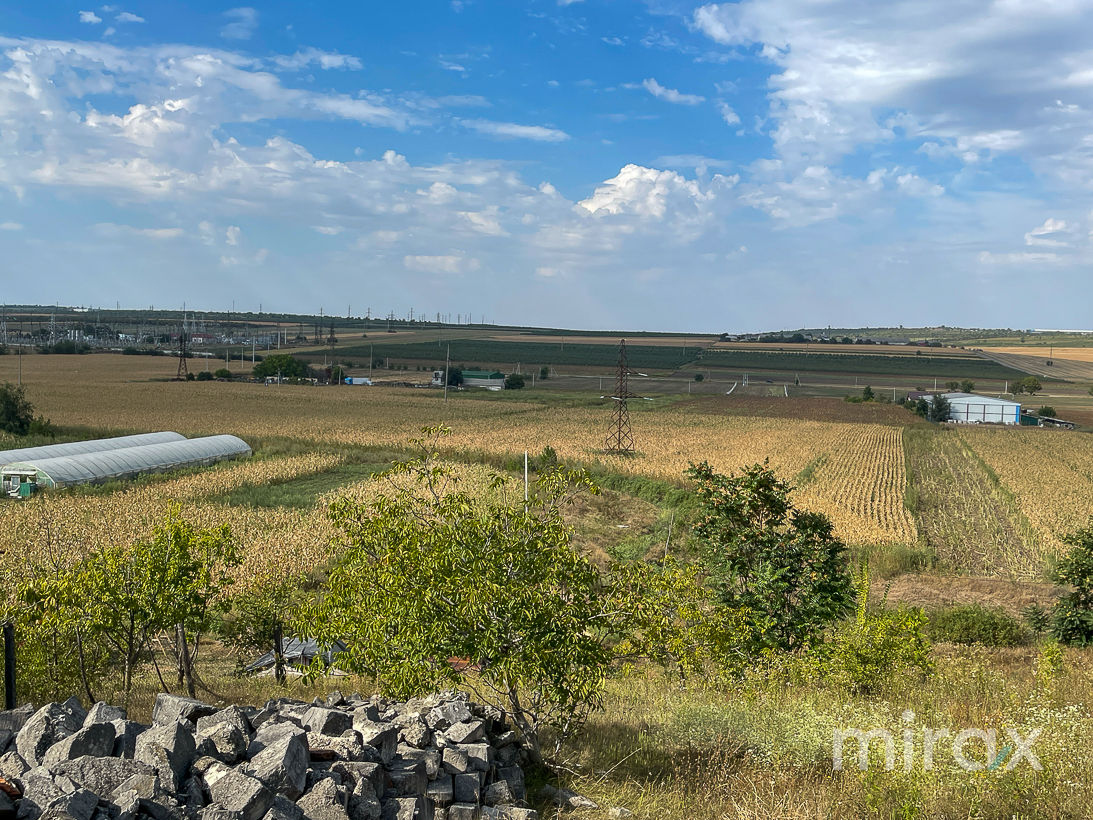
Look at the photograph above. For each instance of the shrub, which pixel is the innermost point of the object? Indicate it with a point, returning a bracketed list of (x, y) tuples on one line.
[(204, 376), (976, 624), (782, 565), (874, 648), (16, 411), (223, 373), (1047, 411), (514, 381), (1072, 616)]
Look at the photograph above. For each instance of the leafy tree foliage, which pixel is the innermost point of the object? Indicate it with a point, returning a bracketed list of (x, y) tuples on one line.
[(781, 566), (283, 364), (1029, 384), (1047, 411), (435, 588), (120, 597), (967, 386), (455, 376), (223, 373), (939, 409), (879, 646), (1071, 618), (16, 411), (867, 394), (514, 381)]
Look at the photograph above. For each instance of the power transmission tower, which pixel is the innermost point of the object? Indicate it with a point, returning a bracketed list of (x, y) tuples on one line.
[(183, 345), (620, 439)]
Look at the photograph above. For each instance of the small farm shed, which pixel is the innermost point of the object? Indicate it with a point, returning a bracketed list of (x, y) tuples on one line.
[(297, 654), (127, 462), (968, 408), (484, 378), (97, 445)]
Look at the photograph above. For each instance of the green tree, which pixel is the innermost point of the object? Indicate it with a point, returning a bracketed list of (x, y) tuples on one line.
[(922, 407), (205, 376), (16, 411), (781, 566), (1031, 385), (867, 394), (699, 377), (435, 588), (939, 409), (544, 373), (1047, 411), (1071, 618), (283, 365), (967, 386), (514, 381), (953, 386), (223, 373), (120, 597), (455, 376)]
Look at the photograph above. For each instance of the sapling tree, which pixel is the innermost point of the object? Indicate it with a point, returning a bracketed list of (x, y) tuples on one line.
[(782, 566), (434, 588)]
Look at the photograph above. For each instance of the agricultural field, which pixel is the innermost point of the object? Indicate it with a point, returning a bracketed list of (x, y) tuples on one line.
[(944, 515)]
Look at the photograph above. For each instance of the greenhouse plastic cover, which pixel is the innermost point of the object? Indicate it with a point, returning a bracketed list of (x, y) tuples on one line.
[(93, 468), (97, 445)]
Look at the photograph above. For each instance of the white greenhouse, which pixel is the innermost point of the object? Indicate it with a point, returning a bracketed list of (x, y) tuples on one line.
[(968, 408), (111, 465), (97, 445)]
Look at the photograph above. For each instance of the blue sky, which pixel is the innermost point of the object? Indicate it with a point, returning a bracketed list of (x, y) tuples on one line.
[(586, 163)]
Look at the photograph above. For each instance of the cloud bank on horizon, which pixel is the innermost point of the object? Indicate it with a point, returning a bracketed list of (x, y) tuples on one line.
[(672, 165)]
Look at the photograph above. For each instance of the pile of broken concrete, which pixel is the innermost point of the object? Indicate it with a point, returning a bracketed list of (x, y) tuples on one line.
[(340, 758)]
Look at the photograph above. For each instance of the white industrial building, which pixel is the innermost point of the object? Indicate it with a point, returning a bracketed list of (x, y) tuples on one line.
[(968, 408)]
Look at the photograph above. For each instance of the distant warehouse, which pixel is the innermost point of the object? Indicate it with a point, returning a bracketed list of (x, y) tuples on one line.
[(21, 478), (484, 378), (968, 408)]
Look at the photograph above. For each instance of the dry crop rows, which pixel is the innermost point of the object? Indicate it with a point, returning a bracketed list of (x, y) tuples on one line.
[(1048, 472)]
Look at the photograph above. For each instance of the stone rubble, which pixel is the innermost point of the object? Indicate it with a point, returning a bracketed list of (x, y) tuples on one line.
[(435, 758)]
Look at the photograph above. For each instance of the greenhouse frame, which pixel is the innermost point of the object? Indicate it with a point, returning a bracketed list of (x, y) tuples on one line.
[(128, 462), (97, 445)]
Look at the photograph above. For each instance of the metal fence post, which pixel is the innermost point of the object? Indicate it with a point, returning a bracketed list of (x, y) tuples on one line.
[(9, 666)]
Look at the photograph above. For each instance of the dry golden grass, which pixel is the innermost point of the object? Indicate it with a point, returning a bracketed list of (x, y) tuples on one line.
[(859, 486), (1048, 472), (1074, 354)]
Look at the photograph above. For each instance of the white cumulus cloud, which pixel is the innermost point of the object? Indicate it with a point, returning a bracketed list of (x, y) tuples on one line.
[(670, 94), (511, 130)]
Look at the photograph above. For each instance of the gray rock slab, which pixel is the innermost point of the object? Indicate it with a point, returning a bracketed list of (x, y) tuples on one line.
[(14, 719), (238, 792), (126, 733), (467, 788), (104, 713), (233, 715), (96, 740), (222, 741), (102, 775), (282, 766), (170, 749), (12, 766), (171, 708), (51, 723), (324, 721), (324, 802)]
